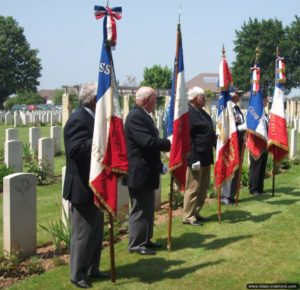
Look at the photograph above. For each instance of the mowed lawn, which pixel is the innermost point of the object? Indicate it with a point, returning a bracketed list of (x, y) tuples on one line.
[(256, 242)]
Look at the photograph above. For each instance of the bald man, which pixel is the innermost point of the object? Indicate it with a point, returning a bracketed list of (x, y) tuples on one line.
[(143, 151)]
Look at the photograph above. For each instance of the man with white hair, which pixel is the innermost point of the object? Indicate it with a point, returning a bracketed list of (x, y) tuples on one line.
[(200, 158), (143, 152), (87, 219)]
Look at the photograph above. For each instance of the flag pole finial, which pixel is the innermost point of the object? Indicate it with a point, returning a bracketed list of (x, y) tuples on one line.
[(257, 54), (179, 13), (223, 51)]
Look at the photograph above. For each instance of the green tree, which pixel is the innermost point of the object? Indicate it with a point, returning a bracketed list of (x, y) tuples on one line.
[(19, 65), (291, 53), (73, 98), (266, 35), (25, 98), (157, 77)]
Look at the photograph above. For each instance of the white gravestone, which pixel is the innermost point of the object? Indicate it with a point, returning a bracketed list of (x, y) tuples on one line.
[(11, 134), (13, 155), (293, 145), (55, 134), (34, 136), (19, 214), (46, 154)]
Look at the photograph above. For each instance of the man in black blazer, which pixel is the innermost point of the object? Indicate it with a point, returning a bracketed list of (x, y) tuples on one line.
[(87, 219), (143, 152), (200, 158)]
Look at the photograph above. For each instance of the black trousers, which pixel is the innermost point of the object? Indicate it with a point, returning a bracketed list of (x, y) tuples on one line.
[(257, 170), (86, 240), (141, 217)]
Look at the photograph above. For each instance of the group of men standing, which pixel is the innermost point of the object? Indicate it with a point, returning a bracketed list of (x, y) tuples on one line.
[(144, 147)]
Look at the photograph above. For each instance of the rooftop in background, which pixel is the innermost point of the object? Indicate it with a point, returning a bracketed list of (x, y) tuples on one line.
[(207, 81)]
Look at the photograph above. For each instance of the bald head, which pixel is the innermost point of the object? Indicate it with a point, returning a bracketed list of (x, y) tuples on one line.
[(146, 98)]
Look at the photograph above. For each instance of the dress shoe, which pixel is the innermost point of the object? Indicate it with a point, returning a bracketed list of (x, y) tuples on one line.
[(82, 284), (192, 223), (99, 275), (142, 251), (152, 245), (200, 218)]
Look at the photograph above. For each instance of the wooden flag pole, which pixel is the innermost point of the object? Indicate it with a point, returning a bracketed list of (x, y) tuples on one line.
[(237, 193), (170, 212), (112, 248), (273, 172), (219, 203)]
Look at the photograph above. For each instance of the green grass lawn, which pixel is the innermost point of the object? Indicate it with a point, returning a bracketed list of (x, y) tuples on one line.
[(256, 242)]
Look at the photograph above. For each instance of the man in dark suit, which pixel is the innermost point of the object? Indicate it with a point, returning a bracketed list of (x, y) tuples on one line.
[(143, 151), (200, 158), (87, 219), (257, 168)]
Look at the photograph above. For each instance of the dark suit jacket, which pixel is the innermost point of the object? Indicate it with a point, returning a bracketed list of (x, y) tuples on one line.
[(78, 135), (202, 137), (143, 150), (239, 120)]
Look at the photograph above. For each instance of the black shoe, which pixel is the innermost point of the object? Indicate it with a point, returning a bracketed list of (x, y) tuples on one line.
[(99, 275), (143, 251), (232, 200), (152, 245), (82, 284), (192, 223), (201, 219)]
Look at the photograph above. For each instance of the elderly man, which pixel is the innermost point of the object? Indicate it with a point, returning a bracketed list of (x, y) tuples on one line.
[(143, 150), (87, 219), (203, 139)]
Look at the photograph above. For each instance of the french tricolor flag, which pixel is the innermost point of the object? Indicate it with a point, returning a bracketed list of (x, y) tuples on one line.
[(277, 133), (178, 119), (255, 119), (227, 150), (109, 158)]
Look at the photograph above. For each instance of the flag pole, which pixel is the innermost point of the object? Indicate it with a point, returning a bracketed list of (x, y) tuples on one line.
[(237, 193), (219, 204), (274, 150), (112, 248), (169, 246)]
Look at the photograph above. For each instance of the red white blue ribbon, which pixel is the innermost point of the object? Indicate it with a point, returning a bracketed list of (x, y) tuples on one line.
[(109, 24), (255, 78), (280, 71)]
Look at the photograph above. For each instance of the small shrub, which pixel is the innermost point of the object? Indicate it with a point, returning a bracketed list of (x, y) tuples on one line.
[(285, 164), (60, 234), (10, 266), (244, 178), (34, 266), (296, 160), (4, 171), (41, 169), (27, 154)]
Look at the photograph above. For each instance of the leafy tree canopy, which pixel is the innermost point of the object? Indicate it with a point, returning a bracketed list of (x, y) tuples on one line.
[(24, 98), (157, 77), (19, 65), (265, 35)]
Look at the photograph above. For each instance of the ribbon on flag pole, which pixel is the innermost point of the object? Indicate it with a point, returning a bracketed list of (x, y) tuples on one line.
[(109, 24)]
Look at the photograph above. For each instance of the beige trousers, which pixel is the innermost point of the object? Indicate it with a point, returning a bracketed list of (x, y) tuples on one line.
[(197, 183)]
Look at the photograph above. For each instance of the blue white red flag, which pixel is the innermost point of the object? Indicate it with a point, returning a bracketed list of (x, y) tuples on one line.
[(109, 158), (109, 23), (178, 119), (227, 150), (255, 119), (277, 133)]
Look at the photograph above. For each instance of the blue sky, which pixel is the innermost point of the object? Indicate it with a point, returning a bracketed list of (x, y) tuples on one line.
[(69, 38)]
